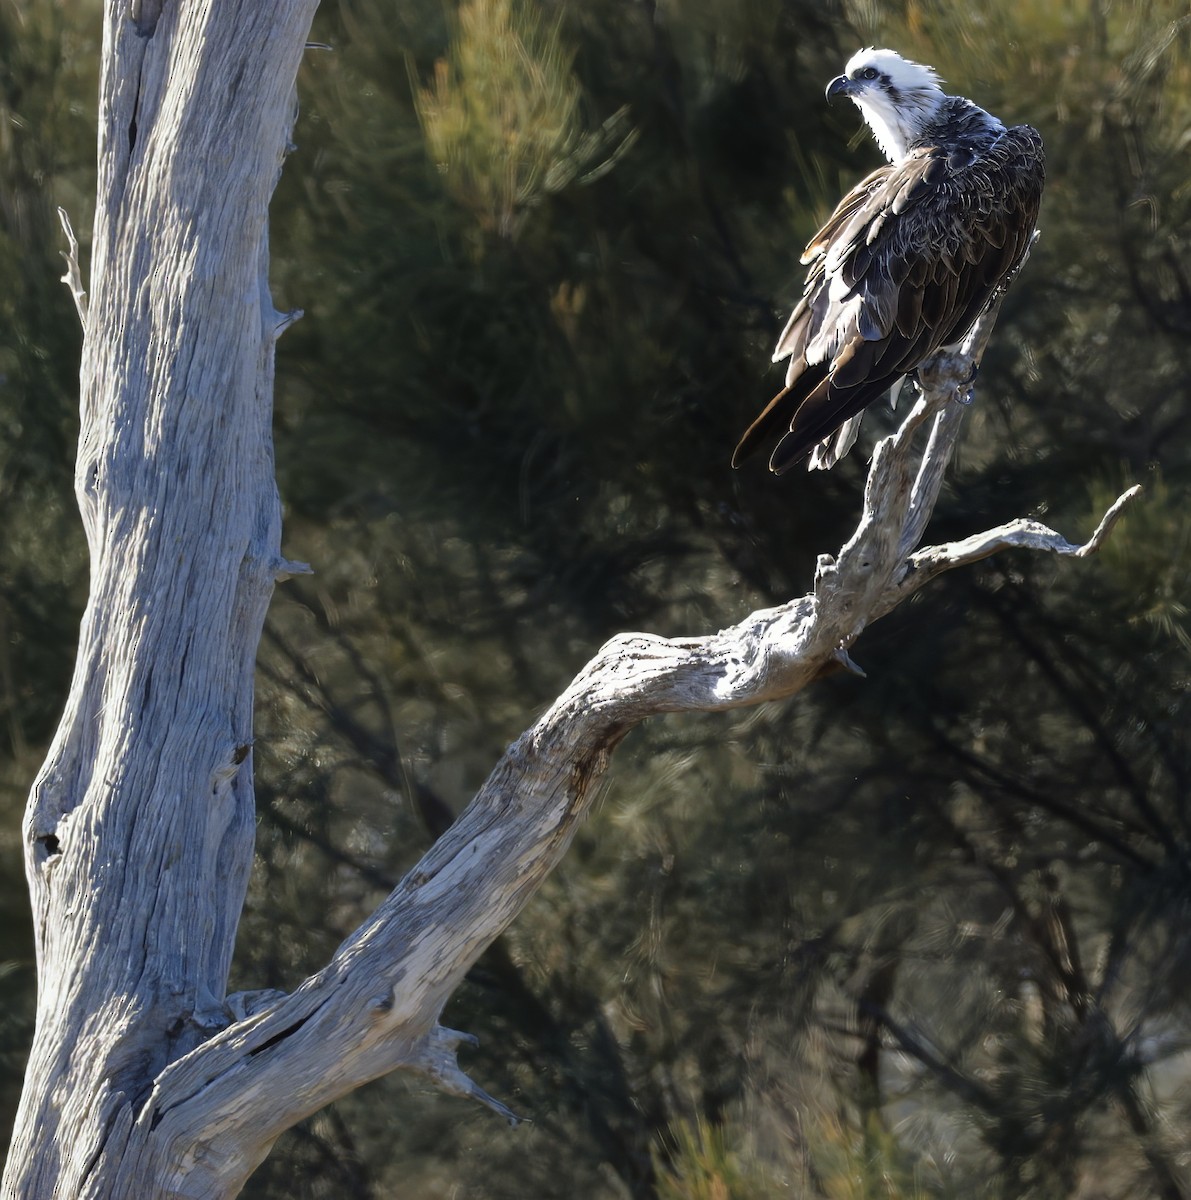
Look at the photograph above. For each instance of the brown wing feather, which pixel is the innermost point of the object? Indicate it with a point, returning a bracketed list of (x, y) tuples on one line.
[(905, 265), (780, 412)]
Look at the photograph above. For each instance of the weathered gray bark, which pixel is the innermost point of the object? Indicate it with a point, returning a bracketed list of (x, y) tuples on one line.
[(139, 830), (145, 1080)]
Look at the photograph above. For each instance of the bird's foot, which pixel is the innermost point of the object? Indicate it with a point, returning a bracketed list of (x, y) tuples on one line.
[(965, 392)]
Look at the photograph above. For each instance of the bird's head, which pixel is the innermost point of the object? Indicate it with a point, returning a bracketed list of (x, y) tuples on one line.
[(898, 98)]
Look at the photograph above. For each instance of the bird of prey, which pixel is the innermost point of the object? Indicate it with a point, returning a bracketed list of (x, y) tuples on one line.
[(909, 259)]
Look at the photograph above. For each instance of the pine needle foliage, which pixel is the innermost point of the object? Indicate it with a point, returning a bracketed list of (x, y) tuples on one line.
[(703, 1165), (503, 115), (850, 1162)]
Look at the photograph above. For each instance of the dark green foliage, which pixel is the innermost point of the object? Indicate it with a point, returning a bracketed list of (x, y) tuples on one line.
[(919, 935)]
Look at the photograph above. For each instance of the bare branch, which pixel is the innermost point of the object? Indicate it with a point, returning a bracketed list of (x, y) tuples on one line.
[(438, 1063), (1021, 533), (73, 277), (369, 1011), (944, 378), (1110, 518)]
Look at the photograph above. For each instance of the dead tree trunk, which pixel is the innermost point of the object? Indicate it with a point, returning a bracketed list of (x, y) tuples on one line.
[(139, 830), (145, 1079)]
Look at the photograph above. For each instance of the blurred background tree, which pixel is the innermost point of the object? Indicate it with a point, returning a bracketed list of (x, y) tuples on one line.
[(919, 935)]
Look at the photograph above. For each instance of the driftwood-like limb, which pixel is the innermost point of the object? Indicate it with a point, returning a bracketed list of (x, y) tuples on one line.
[(439, 1064), (73, 277), (375, 1007), (1022, 534)]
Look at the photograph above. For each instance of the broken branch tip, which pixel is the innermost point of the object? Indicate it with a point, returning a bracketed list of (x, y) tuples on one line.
[(1115, 511)]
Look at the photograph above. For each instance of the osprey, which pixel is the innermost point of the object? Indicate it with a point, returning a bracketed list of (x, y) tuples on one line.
[(909, 259)]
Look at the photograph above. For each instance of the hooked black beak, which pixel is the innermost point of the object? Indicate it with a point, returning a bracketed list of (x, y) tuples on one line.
[(841, 85)]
